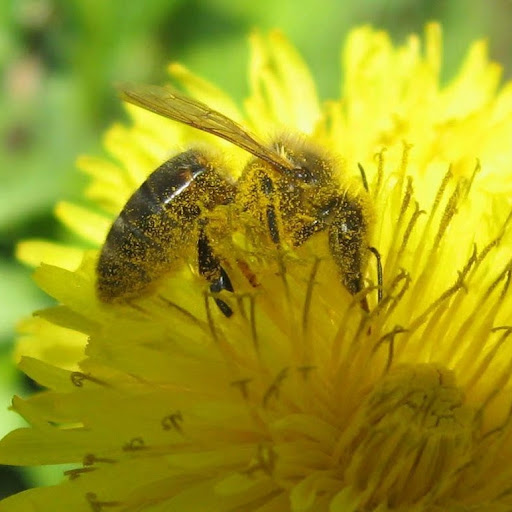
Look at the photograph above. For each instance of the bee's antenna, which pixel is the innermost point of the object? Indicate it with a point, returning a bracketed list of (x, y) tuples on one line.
[(379, 271), (363, 177)]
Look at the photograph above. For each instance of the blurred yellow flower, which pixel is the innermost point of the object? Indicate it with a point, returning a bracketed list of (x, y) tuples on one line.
[(302, 400)]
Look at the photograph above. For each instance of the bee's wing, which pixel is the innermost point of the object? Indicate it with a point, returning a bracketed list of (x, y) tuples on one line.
[(170, 103)]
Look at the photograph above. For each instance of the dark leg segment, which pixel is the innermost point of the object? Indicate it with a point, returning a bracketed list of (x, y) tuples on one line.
[(212, 270), (348, 245), (267, 187)]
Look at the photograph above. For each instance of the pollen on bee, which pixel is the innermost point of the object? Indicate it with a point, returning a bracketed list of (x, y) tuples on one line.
[(290, 192)]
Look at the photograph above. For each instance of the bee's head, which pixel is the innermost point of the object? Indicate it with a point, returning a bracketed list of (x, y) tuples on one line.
[(309, 167), (307, 187)]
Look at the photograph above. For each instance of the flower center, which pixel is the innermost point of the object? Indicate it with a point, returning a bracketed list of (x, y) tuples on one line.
[(412, 434)]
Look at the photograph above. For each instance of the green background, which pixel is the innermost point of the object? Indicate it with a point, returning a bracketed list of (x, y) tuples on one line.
[(58, 60)]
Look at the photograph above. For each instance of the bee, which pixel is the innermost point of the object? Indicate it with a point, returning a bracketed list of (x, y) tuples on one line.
[(289, 187)]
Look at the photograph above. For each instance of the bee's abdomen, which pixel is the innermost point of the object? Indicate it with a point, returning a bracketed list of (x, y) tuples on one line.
[(154, 227)]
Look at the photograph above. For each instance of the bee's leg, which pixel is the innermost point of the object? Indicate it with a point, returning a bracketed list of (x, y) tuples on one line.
[(212, 270), (267, 187), (256, 195), (347, 242)]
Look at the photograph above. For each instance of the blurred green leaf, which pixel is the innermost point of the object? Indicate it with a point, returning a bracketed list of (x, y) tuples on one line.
[(19, 297)]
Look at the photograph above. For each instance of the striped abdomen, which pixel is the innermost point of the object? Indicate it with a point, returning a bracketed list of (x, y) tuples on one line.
[(157, 224)]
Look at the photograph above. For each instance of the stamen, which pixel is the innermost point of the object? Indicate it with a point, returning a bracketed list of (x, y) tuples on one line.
[(78, 378), (275, 387), (500, 428), (433, 210), (394, 251), (380, 291), (240, 304), (252, 316), (73, 474), (408, 230), (307, 300), (305, 371), (266, 458), (393, 298), (90, 459), (344, 340), (494, 243), (408, 195), (282, 273), (229, 351), (504, 275), (448, 214), (380, 173), (390, 339), (242, 385), (482, 368), (479, 315), (209, 317), (457, 286), (439, 195), (98, 506), (172, 422), (134, 444), (469, 182), (182, 311), (137, 307), (404, 163), (363, 177)]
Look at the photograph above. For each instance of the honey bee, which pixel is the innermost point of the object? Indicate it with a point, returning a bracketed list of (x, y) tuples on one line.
[(289, 187)]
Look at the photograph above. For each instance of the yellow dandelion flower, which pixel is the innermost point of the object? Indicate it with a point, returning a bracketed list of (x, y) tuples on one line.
[(278, 374)]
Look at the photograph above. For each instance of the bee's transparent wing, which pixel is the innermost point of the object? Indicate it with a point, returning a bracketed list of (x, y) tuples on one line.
[(170, 103)]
